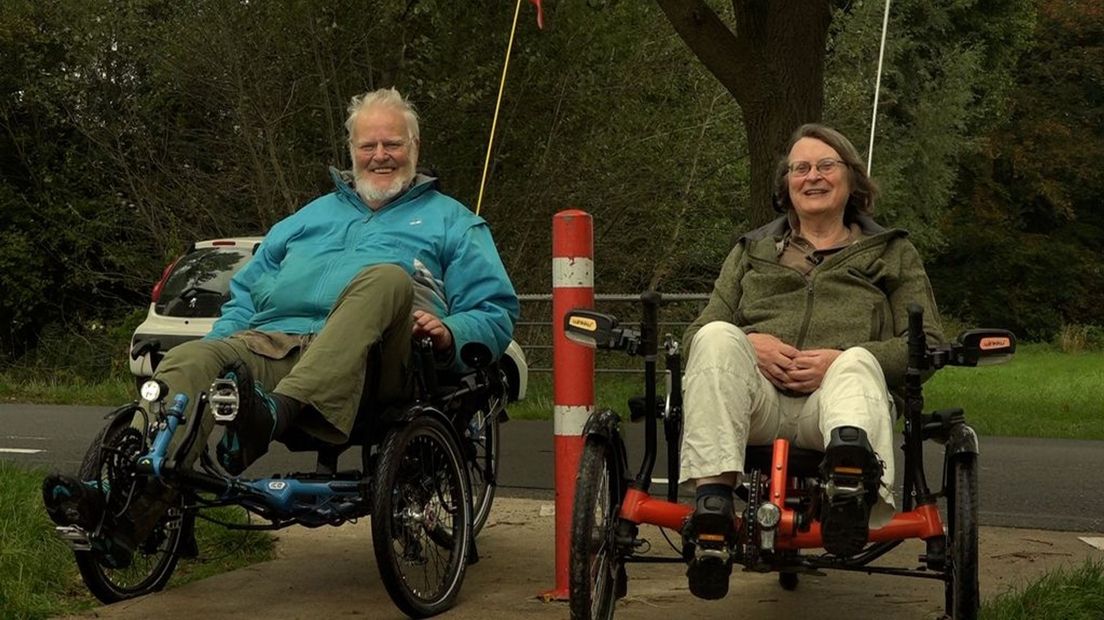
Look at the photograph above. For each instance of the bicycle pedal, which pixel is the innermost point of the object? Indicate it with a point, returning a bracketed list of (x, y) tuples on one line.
[(224, 400), (712, 554), (844, 487), (74, 536), (709, 572)]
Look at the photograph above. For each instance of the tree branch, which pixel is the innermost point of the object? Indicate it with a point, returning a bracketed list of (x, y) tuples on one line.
[(724, 54)]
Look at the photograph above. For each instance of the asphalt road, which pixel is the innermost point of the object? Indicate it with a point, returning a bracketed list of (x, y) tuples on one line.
[(1036, 483)]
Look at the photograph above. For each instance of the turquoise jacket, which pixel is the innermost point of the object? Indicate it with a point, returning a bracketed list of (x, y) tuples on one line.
[(307, 259)]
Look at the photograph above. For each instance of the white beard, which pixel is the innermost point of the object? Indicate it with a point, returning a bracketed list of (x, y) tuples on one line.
[(371, 193)]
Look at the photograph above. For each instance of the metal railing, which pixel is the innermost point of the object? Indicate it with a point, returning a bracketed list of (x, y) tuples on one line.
[(534, 331)]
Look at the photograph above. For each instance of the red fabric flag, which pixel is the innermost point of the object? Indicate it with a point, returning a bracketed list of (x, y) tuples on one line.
[(540, 13)]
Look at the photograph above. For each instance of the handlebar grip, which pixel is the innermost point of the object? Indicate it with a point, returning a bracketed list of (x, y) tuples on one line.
[(917, 344)]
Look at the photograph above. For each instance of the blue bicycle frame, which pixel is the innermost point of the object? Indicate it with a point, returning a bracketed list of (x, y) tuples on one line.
[(282, 499)]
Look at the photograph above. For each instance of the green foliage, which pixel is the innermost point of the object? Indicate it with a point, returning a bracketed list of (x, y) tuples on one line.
[(1007, 400), (947, 73), (38, 577), (1072, 593), (1077, 338), (133, 128), (1026, 231)]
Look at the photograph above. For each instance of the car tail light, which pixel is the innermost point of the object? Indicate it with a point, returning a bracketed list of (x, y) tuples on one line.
[(155, 296)]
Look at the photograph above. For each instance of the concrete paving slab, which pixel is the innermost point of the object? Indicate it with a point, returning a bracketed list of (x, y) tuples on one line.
[(331, 573)]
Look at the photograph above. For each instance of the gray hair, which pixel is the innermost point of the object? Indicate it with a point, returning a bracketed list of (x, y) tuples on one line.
[(863, 188), (383, 97)]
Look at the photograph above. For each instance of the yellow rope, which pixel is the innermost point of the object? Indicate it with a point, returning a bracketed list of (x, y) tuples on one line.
[(498, 105)]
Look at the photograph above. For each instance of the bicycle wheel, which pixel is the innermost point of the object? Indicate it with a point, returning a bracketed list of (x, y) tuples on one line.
[(962, 538), (483, 433), (595, 564), (109, 463), (421, 517)]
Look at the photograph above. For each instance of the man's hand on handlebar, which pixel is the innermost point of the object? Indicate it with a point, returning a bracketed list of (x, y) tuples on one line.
[(425, 324)]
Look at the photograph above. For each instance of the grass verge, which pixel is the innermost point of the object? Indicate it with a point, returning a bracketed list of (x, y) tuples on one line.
[(1042, 392), (112, 392), (1066, 594), (38, 577)]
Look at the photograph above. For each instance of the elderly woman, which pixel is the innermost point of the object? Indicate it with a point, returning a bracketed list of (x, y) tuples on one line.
[(803, 338)]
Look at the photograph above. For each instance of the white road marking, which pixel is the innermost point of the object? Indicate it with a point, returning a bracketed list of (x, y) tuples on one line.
[(1093, 541), (22, 437), (20, 450)]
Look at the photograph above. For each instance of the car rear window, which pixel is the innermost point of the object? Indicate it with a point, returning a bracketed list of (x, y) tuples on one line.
[(200, 282)]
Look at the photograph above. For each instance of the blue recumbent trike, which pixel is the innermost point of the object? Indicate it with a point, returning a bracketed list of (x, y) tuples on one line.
[(427, 481)]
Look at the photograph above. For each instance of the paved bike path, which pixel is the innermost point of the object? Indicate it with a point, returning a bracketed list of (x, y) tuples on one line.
[(331, 573)]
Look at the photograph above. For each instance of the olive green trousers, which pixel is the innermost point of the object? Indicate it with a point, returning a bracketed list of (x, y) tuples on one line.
[(326, 371)]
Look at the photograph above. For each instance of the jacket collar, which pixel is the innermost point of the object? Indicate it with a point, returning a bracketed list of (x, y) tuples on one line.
[(778, 227)]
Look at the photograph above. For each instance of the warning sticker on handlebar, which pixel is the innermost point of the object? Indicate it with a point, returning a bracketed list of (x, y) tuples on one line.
[(583, 323)]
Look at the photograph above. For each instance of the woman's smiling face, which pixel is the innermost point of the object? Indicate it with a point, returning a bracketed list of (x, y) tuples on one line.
[(818, 194)]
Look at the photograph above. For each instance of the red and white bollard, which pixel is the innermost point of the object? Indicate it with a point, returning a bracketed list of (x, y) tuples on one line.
[(572, 371)]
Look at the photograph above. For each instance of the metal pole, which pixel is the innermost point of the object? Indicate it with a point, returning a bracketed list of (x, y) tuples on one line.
[(572, 372)]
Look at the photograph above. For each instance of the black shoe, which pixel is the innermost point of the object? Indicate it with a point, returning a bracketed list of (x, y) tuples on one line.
[(69, 501), (851, 472), (252, 424), (709, 535)]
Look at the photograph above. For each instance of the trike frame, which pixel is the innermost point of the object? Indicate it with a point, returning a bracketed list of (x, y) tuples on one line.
[(605, 539), (419, 462)]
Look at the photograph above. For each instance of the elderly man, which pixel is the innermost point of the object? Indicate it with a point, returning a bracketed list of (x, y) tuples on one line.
[(382, 258)]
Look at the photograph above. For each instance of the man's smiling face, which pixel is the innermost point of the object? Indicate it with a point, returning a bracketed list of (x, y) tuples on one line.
[(384, 157)]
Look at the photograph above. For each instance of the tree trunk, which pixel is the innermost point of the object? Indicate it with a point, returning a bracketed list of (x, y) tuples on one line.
[(773, 65)]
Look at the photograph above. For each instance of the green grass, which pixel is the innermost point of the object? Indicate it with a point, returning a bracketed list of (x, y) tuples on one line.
[(1041, 393), (111, 392), (1065, 594), (38, 577)]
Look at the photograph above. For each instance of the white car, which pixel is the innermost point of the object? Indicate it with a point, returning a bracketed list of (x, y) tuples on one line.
[(188, 299)]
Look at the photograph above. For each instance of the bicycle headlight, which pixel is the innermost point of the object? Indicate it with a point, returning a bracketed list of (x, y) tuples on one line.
[(152, 390)]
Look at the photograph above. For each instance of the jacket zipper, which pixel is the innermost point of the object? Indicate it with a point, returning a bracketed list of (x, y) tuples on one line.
[(808, 313)]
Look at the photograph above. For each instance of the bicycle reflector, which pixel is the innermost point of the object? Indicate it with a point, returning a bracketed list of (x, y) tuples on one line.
[(983, 347), (590, 329)]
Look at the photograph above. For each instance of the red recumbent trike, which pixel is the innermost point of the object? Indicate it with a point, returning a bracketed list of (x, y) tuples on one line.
[(782, 489)]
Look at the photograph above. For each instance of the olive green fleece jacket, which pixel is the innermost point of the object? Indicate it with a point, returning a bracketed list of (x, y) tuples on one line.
[(858, 297)]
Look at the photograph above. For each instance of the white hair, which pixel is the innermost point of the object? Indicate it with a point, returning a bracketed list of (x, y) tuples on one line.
[(383, 97)]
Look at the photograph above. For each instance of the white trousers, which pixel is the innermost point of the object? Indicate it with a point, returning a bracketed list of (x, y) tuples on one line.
[(728, 404)]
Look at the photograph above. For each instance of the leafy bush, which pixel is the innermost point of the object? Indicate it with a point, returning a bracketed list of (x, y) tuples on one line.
[(87, 352), (1077, 338), (1028, 283)]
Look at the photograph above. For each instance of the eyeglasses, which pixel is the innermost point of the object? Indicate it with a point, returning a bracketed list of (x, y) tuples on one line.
[(390, 147), (825, 166)]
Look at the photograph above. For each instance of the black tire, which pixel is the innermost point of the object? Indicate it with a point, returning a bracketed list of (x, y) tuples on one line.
[(109, 461), (788, 581), (421, 517), (962, 538), (483, 433), (595, 563)]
